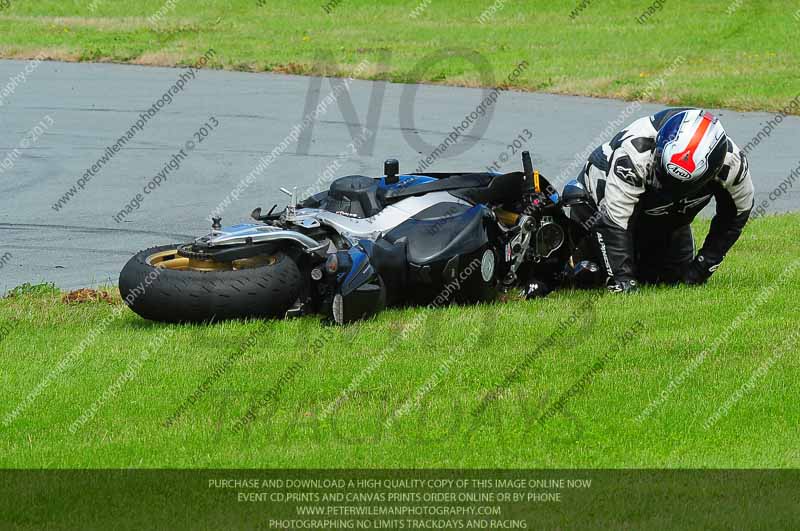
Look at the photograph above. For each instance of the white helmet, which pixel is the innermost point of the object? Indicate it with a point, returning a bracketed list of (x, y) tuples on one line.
[(690, 150)]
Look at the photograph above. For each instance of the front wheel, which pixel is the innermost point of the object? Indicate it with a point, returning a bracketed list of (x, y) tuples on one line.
[(161, 285)]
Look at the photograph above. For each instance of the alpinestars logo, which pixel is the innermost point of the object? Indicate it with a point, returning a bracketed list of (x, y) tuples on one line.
[(626, 174), (681, 206), (605, 254)]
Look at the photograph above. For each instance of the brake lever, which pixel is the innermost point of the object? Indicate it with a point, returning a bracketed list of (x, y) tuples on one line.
[(256, 214)]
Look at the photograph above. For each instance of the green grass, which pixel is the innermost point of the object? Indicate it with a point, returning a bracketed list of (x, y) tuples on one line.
[(597, 427), (744, 60)]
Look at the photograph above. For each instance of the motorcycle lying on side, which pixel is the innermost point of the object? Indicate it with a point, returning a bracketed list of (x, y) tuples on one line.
[(366, 243)]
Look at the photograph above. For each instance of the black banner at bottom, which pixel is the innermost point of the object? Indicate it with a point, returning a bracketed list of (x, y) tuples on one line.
[(399, 499)]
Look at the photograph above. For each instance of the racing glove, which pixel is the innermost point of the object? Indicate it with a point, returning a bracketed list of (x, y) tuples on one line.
[(726, 228), (698, 271), (535, 289)]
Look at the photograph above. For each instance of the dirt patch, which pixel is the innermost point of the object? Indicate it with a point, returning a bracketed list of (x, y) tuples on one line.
[(47, 54), (86, 295), (291, 68), (160, 58)]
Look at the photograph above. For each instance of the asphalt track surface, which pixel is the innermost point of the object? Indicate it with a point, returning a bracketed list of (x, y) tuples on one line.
[(81, 109)]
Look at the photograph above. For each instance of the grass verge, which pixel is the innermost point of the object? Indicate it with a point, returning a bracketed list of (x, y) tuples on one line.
[(742, 56), (138, 394)]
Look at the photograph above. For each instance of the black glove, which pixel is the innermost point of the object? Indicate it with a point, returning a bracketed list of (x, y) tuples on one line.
[(535, 289), (699, 271), (623, 286)]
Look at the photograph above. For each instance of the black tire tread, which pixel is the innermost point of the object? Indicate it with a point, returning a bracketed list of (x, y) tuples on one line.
[(200, 296)]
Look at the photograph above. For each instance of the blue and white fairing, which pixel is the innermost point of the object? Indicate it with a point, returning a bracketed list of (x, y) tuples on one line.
[(373, 227), (359, 292), (357, 270), (354, 229)]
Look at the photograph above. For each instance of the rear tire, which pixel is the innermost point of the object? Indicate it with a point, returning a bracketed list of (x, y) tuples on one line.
[(187, 296)]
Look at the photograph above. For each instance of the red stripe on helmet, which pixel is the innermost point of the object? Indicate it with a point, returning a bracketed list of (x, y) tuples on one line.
[(685, 159)]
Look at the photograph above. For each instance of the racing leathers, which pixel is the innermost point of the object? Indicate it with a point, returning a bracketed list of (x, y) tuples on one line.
[(641, 231)]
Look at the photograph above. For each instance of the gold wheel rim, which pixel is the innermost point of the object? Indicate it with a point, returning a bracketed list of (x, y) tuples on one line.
[(170, 259)]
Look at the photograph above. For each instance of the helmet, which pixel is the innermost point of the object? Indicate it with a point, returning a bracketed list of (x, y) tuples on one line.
[(690, 151)]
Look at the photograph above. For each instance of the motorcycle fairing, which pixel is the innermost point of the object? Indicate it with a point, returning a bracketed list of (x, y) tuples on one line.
[(453, 182), (434, 241), (360, 293), (361, 271), (374, 227), (358, 196), (429, 249), (404, 181)]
